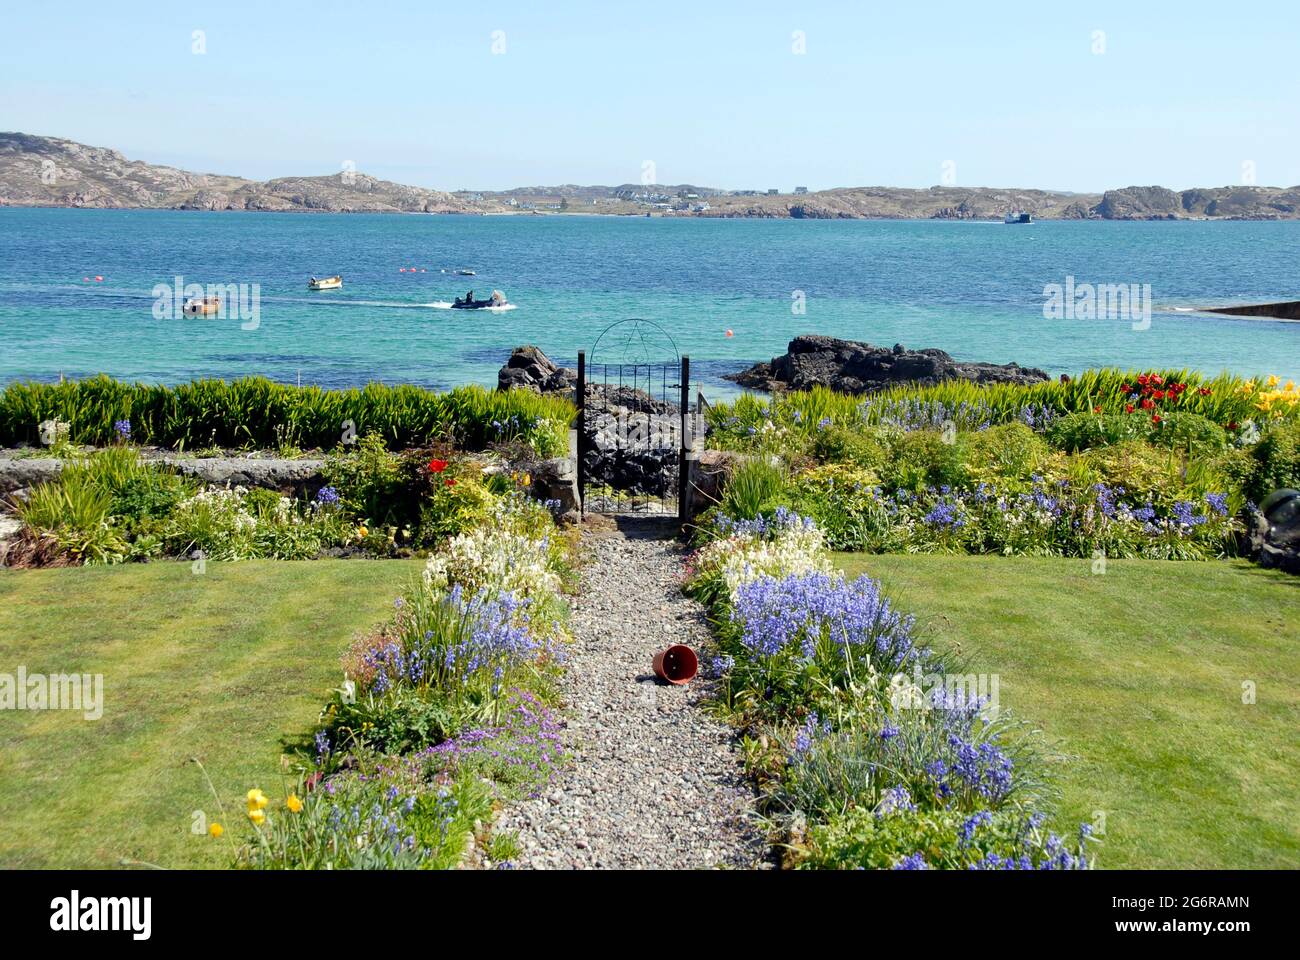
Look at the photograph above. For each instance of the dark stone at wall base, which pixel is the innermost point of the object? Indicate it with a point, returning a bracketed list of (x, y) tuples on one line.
[(850, 366), (1275, 531)]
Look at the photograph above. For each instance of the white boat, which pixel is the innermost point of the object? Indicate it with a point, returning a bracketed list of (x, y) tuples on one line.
[(325, 283)]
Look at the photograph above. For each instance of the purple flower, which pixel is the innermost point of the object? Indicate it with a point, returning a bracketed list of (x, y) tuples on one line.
[(123, 428)]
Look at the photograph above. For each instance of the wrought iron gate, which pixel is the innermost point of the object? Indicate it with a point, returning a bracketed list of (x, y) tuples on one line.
[(635, 428)]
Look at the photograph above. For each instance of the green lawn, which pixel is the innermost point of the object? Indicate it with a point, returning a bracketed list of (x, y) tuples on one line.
[(221, 666), (1137, 676)]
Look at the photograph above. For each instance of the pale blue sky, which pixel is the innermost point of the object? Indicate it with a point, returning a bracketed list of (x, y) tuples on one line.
[(711, 92)]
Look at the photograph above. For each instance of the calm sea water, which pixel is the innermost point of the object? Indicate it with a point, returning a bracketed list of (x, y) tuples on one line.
[(973, 289)]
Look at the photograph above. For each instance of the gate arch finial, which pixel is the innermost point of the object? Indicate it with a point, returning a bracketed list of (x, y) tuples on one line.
[(636, 341)]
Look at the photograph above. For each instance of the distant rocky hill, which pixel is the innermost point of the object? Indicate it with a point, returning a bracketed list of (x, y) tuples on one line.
[(48, 171)]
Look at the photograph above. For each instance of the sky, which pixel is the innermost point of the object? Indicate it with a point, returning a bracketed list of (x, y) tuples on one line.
[(753, 95)]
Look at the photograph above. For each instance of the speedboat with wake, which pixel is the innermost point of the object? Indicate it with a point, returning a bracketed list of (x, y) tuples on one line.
[(467, 302)]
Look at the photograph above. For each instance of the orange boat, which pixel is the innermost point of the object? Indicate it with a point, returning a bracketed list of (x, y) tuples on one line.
[(203, 308)]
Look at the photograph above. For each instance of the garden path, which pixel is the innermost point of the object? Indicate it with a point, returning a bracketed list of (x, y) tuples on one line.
[(653, 780)]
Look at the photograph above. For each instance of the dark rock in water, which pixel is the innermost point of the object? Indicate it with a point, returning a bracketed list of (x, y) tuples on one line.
[(1275, 531), (850, 366), (528, 367)]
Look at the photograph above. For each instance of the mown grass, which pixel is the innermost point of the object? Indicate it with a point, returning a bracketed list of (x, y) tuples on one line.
[(221, 666), (1137, 677)]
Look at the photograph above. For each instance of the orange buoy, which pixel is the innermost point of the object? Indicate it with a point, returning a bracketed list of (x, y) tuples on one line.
[(730, 334), (99, 279)]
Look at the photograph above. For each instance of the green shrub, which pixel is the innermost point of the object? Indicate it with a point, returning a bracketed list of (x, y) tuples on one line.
[(861, 447), (1180, 431), (455, 507), (370, 482), (1009, 452), (923, 458), (1277, 461)]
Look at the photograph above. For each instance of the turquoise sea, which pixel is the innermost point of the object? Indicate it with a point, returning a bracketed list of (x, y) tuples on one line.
[(973, 289)]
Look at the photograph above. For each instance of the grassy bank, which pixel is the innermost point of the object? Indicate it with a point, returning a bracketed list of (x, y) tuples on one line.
[(1137, 675), (220, 665)]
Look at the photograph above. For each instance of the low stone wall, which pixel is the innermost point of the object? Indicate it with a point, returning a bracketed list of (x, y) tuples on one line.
[(297, 476)]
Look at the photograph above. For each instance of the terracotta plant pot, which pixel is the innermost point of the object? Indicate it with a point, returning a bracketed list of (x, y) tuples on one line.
[(677, 664)]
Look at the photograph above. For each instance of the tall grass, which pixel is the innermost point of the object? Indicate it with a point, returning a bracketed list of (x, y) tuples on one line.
[(256, 412), (756, 484)]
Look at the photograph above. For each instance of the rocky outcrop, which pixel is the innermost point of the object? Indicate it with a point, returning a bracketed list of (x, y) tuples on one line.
[(531, 369), (1141, 203), (854, 367)]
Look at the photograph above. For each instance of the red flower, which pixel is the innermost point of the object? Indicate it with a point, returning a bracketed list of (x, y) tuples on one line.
[(437, 466), (1155, 418), (1124, 388), (1147, 404), (1128, 408), (1179, 387), (450, 481), (1142, 379), (1205, 391), (1233, 425), (1159, 394), (1156, 379), (1096, 409)]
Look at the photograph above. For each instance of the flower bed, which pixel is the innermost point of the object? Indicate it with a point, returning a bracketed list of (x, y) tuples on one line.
[(1142, 464), (443, 714), (866, 755), (112, 505)]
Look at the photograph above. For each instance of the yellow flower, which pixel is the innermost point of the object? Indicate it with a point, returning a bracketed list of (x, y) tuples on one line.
[(1272, 381), (293, 803), (257, 816), (216, 830), (362, 532), (256, 799), (528, 480)]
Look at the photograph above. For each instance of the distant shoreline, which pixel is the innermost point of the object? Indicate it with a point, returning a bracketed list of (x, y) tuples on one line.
[(52, 172)]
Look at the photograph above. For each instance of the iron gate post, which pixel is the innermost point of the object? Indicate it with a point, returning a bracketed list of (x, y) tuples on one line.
[(683, 455), (580, 399)]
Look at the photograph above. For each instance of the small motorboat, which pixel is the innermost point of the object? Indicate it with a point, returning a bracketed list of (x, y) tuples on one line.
[(466, 273), (325, 283), (1018, 217), (205, 307), (467, 302)]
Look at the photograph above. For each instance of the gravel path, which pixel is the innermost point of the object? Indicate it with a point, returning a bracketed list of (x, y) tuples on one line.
[(653, 781)]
